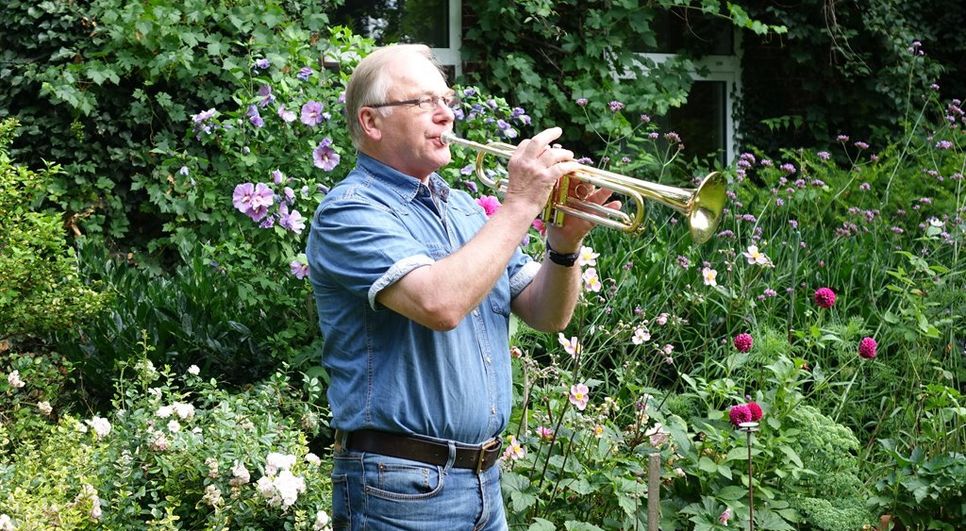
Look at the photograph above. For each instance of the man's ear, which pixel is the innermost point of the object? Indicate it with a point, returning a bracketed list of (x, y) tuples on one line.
[(371, 121)]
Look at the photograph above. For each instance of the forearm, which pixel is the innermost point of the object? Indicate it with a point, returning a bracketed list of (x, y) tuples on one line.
[(548, 303)]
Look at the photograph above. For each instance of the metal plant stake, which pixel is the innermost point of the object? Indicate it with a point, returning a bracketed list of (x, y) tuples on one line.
[(749, 428)]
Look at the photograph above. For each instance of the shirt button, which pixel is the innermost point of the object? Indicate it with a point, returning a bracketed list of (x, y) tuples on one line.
[(476, 312), (493, 410), (489, 359)]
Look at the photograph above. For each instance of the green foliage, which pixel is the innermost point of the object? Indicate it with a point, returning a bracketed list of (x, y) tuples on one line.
[(109, 81), (547, 55), (176, 452), (921, 491), (845, 68), (40, 290)]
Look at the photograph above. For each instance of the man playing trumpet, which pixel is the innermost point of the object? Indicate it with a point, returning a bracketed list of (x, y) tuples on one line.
[(414, 287)]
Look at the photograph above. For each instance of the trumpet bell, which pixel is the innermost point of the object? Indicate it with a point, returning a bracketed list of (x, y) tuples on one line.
[(707, 203)]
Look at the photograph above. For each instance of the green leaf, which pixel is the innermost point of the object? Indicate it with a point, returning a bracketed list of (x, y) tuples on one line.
[(792, 455), (539, 524)]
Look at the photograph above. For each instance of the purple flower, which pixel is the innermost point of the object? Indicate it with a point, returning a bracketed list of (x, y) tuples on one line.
[(743, 342), (824, 155), (469, 92), (299, 270), (788, 168), (292, 221), (253, 200), (304, 73), (861, 145), (738, 414), (582, 102), (672, 137), (262, 63), (324, 156), (254, 117), (615, 106), (201, 121), (645, 119), (867, 348), (944, 144), (842, 138), (755, 411), (824, 297), (277, 176), (312, 113), (265, 91), (865, 187), (286, 115)]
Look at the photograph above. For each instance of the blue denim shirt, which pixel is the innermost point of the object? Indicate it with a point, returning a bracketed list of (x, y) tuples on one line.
[(388, 372)]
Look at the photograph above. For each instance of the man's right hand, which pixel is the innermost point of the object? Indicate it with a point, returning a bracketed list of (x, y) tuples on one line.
[(534, 169)]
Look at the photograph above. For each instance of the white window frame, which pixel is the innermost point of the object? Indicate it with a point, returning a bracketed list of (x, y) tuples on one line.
[(452, 55)]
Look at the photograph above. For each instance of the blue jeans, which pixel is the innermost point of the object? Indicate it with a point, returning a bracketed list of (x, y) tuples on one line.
[(377, 492)]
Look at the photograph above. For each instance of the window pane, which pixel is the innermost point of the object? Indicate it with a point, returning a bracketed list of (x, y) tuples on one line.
[(387, 21), (702, 121)]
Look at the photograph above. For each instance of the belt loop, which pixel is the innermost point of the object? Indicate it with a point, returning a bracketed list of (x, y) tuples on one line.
[(451, 460)]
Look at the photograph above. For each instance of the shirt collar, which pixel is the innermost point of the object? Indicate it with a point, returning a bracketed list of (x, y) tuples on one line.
[(406, 186)]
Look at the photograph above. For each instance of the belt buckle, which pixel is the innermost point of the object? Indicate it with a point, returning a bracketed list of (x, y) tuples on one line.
[(492, 444)]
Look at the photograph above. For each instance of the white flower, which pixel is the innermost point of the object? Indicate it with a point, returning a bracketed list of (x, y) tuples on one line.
[(213, 496), (591, 280), (159, 442), (572, 345), (276, 461), (640, 336), (265, 487), (321, 521), (45, 408), (164, 412), (312, 459), (6, 524), (710, 276), (212, 465), (14, 380), (288, 487), (100, 426), (933, 221), (514, 450), (657, 434), (194, 370), (155, 392), (174, 426), (240, 473), (185, 411), (754, 256), (587, 256)]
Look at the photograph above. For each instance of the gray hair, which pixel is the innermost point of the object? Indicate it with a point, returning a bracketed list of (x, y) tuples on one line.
[(369, 83)]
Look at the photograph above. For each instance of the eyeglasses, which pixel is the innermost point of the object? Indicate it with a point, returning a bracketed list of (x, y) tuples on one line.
[(426, 103)]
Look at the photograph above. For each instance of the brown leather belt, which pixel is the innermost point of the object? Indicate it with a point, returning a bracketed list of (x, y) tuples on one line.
[(475, 457)]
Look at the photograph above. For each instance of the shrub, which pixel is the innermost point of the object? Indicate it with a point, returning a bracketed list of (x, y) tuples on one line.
[(174, 451), (40, 290)]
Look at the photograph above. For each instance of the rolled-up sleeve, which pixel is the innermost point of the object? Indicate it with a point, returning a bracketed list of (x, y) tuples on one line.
[(362, 246)]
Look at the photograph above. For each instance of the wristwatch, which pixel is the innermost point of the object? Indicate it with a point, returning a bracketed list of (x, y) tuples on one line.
[(562, 259)]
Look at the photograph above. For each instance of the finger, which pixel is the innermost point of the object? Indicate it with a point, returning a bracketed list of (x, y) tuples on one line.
[(555, 155), (541, 140)]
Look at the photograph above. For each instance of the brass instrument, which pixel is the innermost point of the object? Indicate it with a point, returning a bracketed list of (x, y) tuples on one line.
[(701, 206)]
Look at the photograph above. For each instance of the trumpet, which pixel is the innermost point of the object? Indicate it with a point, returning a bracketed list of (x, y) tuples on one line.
[(700, 206)]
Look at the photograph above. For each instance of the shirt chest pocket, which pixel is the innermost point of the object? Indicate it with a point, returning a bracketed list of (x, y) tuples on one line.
[(499, 297)]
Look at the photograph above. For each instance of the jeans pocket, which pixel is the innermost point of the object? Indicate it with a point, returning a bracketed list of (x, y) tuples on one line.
[(401, 479), (341, 513)]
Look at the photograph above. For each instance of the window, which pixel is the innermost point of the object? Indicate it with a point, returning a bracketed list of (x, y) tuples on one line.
[(435, 23), (706, 122)]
